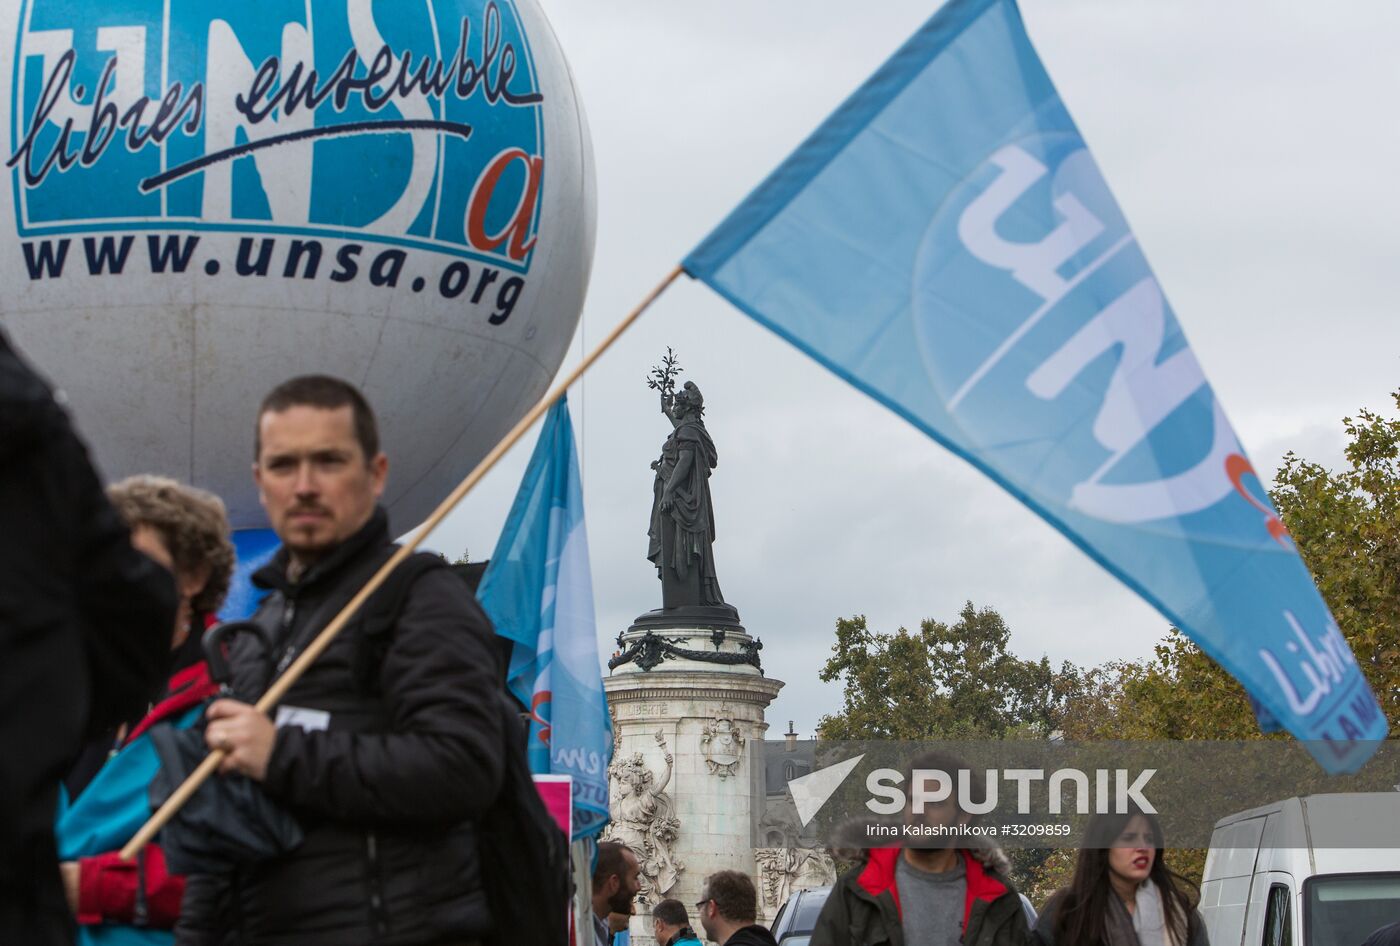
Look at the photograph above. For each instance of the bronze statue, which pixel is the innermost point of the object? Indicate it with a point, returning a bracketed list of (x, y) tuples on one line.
[(682, 532)]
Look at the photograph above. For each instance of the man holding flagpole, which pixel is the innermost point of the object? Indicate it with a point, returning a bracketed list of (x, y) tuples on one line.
[(387, 750)]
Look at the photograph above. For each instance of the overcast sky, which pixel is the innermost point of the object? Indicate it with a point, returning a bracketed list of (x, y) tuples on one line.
[(1253, 147)]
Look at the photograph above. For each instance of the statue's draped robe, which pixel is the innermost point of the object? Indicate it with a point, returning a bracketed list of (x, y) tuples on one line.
[(682, 538)]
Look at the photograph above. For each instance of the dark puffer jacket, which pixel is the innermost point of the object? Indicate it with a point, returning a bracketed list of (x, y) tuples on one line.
[(863, 909), (85, 625), (388, 791)]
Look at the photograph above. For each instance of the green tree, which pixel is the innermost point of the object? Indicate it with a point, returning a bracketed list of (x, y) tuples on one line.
[(1179, 693), (960, 680), (1346, 526), (945, 681)]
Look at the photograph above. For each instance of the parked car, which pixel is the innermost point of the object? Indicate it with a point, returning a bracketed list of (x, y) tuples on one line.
[(1272, 879), (798, 916)]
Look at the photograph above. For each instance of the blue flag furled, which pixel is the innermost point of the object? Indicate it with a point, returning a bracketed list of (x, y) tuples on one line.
[(254, 548), (539, 593), (945, 243)]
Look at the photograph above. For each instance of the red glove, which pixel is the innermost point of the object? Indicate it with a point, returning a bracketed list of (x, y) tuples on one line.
[(140, 892)]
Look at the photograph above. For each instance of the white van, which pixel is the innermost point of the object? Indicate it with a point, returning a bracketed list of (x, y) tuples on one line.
[(1270, 879)]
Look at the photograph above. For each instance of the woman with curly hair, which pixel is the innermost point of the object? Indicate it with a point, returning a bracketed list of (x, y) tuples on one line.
[(187, 531), (1122, 893)]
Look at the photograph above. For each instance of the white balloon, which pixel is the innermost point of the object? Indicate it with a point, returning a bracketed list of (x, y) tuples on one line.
[(208, 199)]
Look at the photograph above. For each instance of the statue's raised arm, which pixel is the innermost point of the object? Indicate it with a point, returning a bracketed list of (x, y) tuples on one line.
[(666, 753), (668, 407)]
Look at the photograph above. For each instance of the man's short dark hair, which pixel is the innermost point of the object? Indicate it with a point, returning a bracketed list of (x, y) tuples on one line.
[(327, 393), (734, 895), (611, 860), (946, 762), (671, 912)]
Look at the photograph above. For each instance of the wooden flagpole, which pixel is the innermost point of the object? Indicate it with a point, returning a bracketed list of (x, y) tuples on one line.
[(279, 688)]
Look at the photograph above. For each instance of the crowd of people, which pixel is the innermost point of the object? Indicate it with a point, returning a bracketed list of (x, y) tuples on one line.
[(939, 894), (727, 909), (386, 751), (385, 754)]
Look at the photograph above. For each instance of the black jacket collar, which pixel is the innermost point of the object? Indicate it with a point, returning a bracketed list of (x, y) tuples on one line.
[(684, 933), (273, 576)]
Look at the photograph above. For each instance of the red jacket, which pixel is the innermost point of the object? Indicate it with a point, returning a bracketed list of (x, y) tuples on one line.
[(879, 876), (863, 908), (110, 888)]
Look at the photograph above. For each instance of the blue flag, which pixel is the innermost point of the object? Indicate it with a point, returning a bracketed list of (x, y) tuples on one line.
[(538, 591), (946, 243)]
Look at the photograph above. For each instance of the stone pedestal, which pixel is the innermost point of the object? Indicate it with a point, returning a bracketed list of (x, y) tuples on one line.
[(697, 692)]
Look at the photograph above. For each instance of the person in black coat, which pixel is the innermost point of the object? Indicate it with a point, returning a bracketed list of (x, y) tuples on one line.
[(84, 637), (388, 749), (728, 911), (1388, 935)]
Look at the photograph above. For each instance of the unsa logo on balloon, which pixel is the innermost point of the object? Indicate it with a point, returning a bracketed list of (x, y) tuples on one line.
[(164, 148), (209, 198)]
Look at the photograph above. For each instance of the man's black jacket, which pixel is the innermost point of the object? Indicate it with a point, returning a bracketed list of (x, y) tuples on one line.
[(85, 629), (388, 791), (754, 935)]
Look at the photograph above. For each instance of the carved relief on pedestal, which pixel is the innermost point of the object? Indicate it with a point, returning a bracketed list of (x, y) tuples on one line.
[(643, 818), (780, 826), (722, 745), (784, 870)]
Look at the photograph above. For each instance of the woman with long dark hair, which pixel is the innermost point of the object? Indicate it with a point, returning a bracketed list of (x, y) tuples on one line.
[(1122, 894)]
